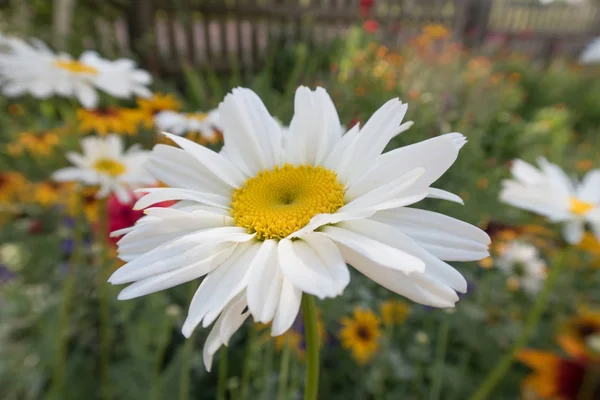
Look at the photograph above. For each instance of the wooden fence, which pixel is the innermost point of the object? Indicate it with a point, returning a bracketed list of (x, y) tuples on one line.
[(166, 34)]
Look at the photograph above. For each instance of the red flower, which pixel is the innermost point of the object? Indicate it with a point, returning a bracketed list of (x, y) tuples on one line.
[(365, 7), (122, 215), (371, 26)]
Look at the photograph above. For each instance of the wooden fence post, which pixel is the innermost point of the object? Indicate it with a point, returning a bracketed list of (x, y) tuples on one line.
[(62, 20), (476, 22), (141, 28)]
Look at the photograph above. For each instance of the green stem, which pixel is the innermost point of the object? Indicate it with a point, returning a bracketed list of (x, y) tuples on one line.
[(284, 369), (440, 352), (222, 384), (157, 381), (266, 389), (311, 335), (533, 319), (186, 356), (58, 381), (247, 371), (105, 328)]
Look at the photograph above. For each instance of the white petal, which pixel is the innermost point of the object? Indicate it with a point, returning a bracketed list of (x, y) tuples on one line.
[(214, 162), (303, 268), (220, 286), (445, 237), (288, 308), (444, 195), (264, 285), (589, 190), (229, 322), (573, 231), (158, 195), (403, 190), (86, 95), (252, 136), (331, 257), (378, 252), (314, 129), (173, 278), (434, 155), (414, 289), (434, 267)]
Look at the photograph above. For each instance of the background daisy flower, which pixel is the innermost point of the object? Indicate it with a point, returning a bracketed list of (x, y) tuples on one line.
[(205, 124), (106, 164), (277, 215), (550, 192), (523, 265), (109, 119), (35, 69), (360, 334)]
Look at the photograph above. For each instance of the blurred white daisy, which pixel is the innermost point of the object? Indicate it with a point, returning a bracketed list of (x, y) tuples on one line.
[(206, 124), (270, 219), (591, 53), (104, 163), (548, 191), (34, 69), (523, 265), (119, 78)]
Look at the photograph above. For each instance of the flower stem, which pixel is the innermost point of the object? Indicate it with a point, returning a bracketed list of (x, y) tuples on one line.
[(311, 334), (105, 328), (186, 356), (284, 369), (222, 383), (440, 353), (58, 381), (533, 319), (267, 370), (247, 371)]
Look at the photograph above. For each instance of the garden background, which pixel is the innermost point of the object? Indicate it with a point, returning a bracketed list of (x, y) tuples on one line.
[(505, 73)]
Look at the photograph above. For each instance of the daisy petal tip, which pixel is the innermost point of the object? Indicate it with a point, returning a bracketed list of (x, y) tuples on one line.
[(187, 329)]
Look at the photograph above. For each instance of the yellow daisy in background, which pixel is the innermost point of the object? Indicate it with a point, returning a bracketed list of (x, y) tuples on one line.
[(360, 334), (109, 120), (84, 201), (12, 187), (394, 312), (36, 144), (48, 193), (591, 245), (157, 103), (581, 333)]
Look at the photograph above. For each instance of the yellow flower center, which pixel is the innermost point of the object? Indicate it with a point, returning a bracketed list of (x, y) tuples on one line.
[(276, 203), (579, 207), (197, 116), (109, 167), (75, 67)]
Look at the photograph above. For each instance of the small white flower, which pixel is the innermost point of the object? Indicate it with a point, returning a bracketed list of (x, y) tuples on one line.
[(205, 124), (278, 214), (35, 69), (521, 262), (591, 53), (550, 192), (104, 163)]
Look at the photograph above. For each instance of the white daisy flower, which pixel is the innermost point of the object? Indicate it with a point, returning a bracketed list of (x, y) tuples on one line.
[(119, 78), (548, 191), (34, 69), (104, 163), (591, 53), (522, 263), (203, 123), (270, 219)]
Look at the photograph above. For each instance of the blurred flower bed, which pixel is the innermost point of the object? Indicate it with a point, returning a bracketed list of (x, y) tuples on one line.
[(374, 344)]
